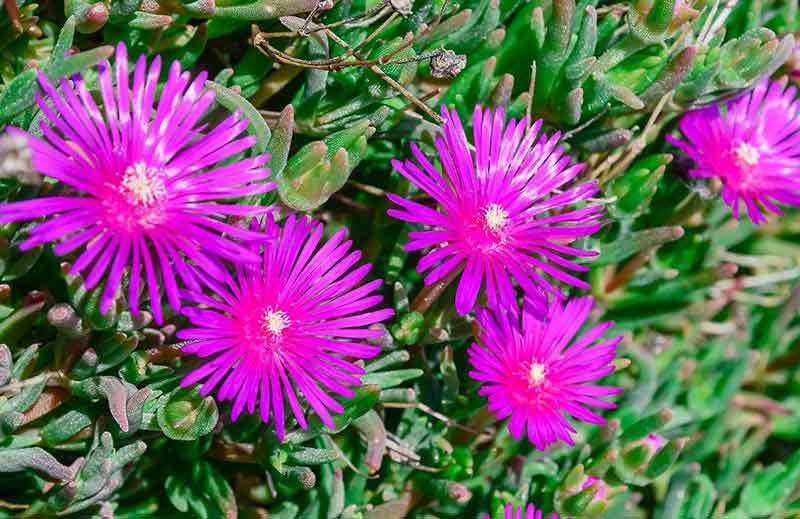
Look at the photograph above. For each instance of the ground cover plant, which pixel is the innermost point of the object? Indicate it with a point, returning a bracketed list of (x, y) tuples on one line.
[(384, 259)]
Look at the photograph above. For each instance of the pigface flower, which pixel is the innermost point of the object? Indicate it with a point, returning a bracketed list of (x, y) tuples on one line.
[(499, 212), (289, 324), (144, 188), (537, 372), (751, 145)]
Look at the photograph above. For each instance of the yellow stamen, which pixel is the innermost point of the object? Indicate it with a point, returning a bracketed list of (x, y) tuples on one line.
[(537, 374), (274, 322), (143, 185), (747, 154), (495, 217)]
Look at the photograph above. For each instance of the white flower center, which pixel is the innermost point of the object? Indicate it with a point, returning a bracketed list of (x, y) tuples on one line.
[(747, 154), (143, 185), (537, 374), (495, 217), (274, 322)]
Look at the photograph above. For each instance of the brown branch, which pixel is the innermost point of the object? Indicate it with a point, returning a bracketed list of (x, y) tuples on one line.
[(352, 56), (429, 294), (13, 14)]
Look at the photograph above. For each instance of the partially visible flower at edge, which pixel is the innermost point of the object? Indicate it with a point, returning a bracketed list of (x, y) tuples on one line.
[(499, 213), (287, 324), (751, 145), (537, 372), (522, 512), (147, 192)]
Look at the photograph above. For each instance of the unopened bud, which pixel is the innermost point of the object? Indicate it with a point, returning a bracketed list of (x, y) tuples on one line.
[(65, 319), (458, 492), (585, 495), (92, 18)]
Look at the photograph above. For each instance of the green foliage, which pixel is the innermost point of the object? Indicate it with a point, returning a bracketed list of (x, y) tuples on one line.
[(94, 423)]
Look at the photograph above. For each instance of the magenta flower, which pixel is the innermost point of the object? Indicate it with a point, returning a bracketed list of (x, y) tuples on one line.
[(144, 185), (286, 324), (539, 373), (522, 512), (752, 145), (499, 212)]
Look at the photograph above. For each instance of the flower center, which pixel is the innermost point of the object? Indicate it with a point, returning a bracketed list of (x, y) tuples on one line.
[(143, 185), (136, 202), (495, 217), (747, 154), (537, 374), (274, 322)]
